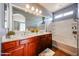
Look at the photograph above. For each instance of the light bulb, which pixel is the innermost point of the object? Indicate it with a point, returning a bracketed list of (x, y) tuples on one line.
[(32, 8), (36, 10), (27, 6), (40, 11)]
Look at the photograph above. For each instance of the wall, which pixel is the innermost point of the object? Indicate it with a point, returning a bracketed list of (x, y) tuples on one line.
[(1, 15), (1, 23), (62, 36)]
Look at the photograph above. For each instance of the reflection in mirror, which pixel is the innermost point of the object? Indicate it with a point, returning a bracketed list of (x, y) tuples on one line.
[(19, 22), (25, 21), (6, 17)]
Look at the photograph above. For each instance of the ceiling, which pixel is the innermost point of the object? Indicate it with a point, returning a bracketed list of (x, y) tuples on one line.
[(54, 6)]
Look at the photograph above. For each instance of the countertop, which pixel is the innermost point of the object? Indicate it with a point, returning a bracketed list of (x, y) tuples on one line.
[(21, 37)]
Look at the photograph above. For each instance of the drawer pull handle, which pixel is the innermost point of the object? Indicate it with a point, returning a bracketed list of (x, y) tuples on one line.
[(5, 54)]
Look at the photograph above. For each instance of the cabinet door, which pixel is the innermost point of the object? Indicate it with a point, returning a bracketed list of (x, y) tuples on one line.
[(33, 49), (49, 40), (43, 42), (26, 49), (8, 45), (17, 51)]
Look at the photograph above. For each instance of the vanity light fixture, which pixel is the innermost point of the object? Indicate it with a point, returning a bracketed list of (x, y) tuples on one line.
[(33, 10)]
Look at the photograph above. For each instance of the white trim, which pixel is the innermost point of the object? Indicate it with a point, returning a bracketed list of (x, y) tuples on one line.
[(58, 16), (68, 13), (10, 17), (65, 50), (62, 42), (18, 7)]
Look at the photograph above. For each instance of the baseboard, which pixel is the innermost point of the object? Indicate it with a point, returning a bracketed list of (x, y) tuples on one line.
[(62, 47)]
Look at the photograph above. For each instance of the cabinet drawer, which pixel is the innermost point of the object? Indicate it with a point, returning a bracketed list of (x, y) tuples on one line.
[(17, 51), (8, 45), (24, 41), (49, 35), (33, 39)]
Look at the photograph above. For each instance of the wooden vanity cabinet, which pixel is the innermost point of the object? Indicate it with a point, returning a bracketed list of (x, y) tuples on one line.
[(27, 47)]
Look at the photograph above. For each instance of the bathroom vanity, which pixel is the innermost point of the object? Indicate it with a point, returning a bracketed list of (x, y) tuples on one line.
[(32, 45)]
